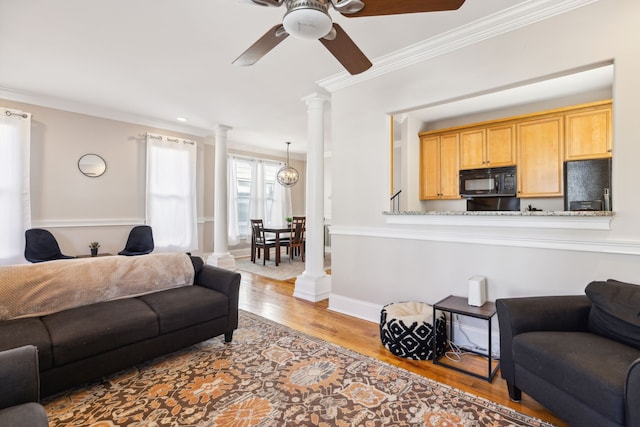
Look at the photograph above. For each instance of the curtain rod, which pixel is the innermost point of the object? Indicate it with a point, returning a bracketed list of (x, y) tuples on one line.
[(168, 138), (11, 113), (260, 159)]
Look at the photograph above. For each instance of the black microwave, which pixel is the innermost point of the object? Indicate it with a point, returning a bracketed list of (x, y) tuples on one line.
[(489, 182)]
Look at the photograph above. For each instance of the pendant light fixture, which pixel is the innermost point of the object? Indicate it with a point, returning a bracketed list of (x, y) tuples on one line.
[(288, 176)]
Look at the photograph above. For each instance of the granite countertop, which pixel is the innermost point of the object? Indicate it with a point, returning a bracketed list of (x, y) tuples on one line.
[(506, 213)]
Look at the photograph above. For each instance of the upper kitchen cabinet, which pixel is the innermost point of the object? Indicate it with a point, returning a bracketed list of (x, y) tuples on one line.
[(473, 149), (536, 143), (493, 146), (589, 133), (540, 160), (439, 167)]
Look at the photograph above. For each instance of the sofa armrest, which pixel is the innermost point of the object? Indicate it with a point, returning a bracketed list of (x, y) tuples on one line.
[(547, 313), (632, 395), (226, 282), (20, 378)]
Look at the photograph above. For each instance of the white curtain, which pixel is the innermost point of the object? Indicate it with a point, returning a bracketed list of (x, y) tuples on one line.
[(15, 201), (232, 206), (281, 207), (171, 193), (257, 206)]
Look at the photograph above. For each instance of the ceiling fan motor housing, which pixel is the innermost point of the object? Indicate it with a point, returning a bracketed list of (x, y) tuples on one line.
[(307, 19)]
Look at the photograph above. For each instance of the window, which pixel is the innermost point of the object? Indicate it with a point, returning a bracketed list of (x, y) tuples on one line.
[(171, 193), (243, 187), (15, 204), (15, 210), (255, 193)]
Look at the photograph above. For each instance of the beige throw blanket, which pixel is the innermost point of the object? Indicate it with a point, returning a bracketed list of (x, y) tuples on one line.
[(37, 289)]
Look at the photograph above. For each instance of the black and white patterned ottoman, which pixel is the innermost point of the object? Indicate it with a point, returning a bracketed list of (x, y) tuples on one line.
[(406, 330)]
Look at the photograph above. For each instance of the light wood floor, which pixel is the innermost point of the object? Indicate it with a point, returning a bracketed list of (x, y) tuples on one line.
[(274, 300)]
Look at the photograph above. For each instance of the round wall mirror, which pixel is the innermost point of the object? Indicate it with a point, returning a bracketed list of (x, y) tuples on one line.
[(92, 165)]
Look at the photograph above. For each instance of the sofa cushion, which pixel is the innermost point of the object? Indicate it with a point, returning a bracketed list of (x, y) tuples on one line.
[(85, 331), (615, 311), (19, 332), (182, 307), (587, 366)]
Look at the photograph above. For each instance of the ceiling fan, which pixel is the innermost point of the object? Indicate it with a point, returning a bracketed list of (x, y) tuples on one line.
[(309, 19)]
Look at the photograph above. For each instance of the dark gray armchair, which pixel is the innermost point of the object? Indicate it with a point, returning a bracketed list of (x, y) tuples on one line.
[(20, 389), (555, 349)]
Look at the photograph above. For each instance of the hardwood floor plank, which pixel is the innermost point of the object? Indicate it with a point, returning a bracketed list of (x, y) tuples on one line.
[(274, 300)]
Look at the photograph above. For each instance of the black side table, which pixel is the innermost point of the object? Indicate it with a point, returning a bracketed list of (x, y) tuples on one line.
[(458, 305)]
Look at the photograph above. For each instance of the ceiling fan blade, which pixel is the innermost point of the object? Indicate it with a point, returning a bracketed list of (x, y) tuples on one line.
[(345, 51), (260, 48), (387, 7)]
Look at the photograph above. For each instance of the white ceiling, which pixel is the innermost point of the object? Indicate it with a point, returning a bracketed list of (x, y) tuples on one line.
[(151, 61)]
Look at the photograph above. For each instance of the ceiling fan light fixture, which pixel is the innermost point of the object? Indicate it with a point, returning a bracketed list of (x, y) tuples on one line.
[(307, 19)]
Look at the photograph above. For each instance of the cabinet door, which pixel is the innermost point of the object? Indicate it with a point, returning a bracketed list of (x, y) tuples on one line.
[(449, 187), (589, 134), (501, 146), (472, 149), (429, 168), (539, 152)]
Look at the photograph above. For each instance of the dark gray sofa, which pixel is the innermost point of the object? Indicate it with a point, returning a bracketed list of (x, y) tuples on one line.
[(85, 343), (20, 388), (577, 355)]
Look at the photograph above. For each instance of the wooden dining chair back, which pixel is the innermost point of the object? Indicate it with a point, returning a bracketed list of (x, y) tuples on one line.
[(253, 239), (259, 241), (296, 242), (298, 220)]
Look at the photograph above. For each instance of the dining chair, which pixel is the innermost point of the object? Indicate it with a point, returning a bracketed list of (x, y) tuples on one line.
[(139, 242), (41, 245), (259, 241), (299, 220), (253, 239), (296, 243)]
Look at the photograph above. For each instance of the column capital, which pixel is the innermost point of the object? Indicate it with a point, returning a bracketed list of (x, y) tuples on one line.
[(316, 98), (222, 129)]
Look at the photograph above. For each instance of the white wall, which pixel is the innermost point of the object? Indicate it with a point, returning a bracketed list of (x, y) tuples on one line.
[(78, 209), (375, 263)]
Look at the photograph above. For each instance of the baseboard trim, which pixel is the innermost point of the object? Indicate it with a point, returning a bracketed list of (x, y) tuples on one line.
[(356, 308)]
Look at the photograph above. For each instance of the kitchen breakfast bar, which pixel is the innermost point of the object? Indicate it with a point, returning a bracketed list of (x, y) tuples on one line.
[(584, 220)]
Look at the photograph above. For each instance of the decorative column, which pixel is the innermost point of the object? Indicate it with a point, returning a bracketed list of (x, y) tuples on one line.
[(314, 284), (221, 256)]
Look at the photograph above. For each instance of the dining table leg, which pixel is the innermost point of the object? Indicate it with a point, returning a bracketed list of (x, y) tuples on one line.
[(277, 249)]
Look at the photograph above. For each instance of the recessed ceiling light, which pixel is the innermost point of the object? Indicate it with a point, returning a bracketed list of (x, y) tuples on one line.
[(181, 119)]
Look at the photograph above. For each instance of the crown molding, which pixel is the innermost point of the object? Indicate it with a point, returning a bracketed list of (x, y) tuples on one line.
[(98, 111), (499, 23)]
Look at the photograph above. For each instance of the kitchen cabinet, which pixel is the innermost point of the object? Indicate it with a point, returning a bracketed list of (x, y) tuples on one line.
[(493, 146), (536, 143), (473, 149), (501, 145), (439, 167), (540, 157), (589, 133)]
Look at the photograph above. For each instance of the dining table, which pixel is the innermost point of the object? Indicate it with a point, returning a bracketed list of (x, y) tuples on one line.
[(277, 230)]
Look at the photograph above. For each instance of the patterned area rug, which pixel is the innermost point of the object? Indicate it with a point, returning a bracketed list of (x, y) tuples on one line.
[(283, 271), (271, 375)]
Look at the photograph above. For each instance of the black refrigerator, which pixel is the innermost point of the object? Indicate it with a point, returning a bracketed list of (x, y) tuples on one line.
[(587, 185)]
